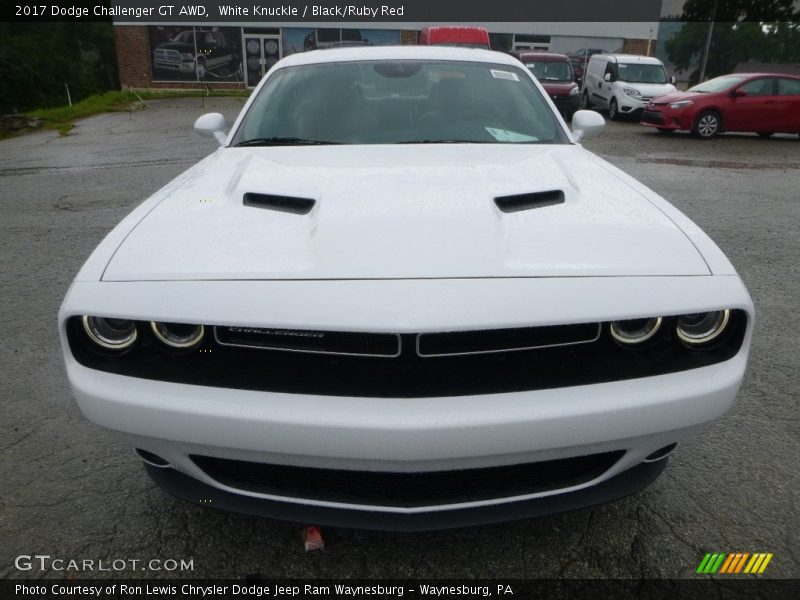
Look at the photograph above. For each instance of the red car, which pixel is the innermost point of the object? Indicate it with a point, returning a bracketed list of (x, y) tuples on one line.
[(555, 73), (764, 103), (467, 37)]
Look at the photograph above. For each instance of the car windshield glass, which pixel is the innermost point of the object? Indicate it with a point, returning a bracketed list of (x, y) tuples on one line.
[(184, 37), (395, 102), (636, 73), (550, 71), (717, 84)]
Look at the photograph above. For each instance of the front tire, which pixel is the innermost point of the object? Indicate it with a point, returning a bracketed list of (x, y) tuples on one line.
[(707, 125), (613, 110)]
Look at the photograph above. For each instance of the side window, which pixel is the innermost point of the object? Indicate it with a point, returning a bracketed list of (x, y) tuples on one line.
[(789, 87), (758, 87)]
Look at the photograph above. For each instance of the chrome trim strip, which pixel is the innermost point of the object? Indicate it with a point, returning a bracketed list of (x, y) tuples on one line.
[(421, 355), (279, 349)]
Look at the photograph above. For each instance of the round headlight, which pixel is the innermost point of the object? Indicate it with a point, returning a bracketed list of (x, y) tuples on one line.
[(111, 334), (635, 331), (701, 328), (178, 335)]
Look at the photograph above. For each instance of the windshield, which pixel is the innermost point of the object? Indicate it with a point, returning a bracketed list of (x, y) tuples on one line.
[(395, 102), (636, 73), (718, 84), (551, 71), (184, 37)]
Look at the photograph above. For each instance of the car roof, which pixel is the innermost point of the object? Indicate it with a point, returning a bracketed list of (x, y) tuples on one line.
[(749, 75), (628, 58), (545, 56), (331, 55)]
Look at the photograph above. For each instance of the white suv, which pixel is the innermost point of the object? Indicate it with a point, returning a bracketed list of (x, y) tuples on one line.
[(624, 83)]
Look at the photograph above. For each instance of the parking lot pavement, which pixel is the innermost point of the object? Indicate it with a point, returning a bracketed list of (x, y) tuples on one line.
[(71, 491)]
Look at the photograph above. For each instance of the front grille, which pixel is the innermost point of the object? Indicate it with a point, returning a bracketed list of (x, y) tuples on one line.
[(168, 55), (407, 490), (650, 116), (461, 363), (319, 342), (505, 340)]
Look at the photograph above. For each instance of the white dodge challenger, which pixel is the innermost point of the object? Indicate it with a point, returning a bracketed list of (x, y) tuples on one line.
[(401, 295)]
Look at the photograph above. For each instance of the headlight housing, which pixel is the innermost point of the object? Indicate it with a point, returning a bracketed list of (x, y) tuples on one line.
[(698, 329), (573, 91), (632, 332), (109, 333), (187, 56), (629, 91), (681, 104), (180, 336)]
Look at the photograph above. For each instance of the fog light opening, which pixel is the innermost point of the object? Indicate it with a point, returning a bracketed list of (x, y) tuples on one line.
[(661, 453), (154, 460)]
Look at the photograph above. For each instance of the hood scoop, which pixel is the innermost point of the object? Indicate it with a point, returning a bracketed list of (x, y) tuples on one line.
[(520, 202), (287, 204)]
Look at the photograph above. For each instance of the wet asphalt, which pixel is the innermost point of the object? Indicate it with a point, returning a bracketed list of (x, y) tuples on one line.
[(70, 490)]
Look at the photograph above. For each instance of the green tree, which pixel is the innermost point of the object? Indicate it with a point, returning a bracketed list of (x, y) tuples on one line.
[(37, 59), (743, 30)]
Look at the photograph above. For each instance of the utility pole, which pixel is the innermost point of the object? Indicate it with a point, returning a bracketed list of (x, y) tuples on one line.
[(708, 43)]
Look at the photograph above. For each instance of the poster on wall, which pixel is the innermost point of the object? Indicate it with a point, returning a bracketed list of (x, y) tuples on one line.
[(303, 39), (202, 54)]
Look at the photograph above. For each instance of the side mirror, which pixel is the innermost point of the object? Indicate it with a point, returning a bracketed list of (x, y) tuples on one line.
[(586, 123), (211, 125), (672, 79), (738, 93), (607, 77)]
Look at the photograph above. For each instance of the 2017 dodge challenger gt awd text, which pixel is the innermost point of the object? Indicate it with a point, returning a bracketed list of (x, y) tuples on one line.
[(402, 295)]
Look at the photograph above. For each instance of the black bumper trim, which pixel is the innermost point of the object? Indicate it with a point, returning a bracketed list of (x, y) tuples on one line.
[(190, 489)]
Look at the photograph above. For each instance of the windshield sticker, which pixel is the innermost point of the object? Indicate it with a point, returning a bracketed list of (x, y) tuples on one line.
[(504, 75), (501, 135)]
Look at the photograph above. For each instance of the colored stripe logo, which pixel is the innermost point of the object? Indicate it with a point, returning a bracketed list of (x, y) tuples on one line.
[(734, 563)]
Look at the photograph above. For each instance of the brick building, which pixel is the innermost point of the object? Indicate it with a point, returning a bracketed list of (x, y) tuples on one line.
[(226, 55)]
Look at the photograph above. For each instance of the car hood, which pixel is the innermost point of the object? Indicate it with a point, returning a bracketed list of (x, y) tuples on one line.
[(651, 90), (180, 46), (558, 88), (408, 211), (678, 96)]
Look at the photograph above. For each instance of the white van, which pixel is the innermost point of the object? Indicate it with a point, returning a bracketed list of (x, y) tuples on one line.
[(624, 83)]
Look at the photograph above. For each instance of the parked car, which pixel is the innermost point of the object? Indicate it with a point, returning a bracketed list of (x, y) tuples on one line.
[(624, 83), (200, 52), (580, 58), (764, 103), (554, 72), (468, 37), (432, 310)]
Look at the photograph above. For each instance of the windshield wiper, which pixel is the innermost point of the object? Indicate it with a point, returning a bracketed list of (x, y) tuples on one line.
[(444, 142), (283, 141)]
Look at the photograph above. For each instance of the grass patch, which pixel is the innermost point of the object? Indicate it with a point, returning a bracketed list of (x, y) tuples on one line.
[(63, 118)]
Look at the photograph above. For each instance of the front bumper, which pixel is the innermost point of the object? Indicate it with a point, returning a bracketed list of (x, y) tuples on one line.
[(630, 105), (567, 105), (664, 117), (177, 421), (180, 67)]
